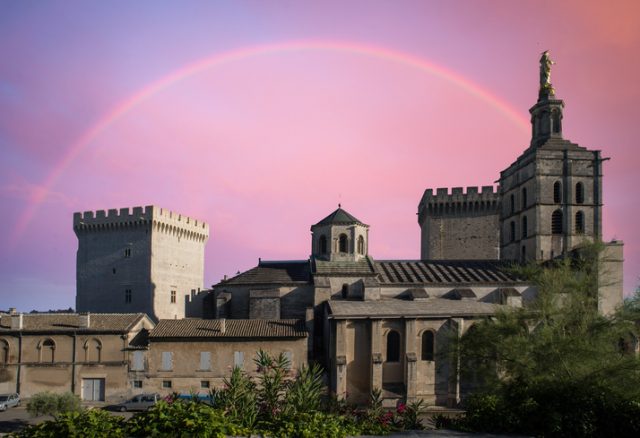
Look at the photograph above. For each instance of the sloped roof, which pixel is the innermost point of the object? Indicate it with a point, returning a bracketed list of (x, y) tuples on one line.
[(70, 322), (360, 267), (443, 272), (340, 217), (234, 328), (433, 307), (275, 272)]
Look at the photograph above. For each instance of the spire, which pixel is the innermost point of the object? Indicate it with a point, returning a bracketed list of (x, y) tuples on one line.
[(546, 114)]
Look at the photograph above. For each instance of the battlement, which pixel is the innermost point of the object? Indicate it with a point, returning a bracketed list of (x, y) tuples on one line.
[(483, 199), (151, 214)]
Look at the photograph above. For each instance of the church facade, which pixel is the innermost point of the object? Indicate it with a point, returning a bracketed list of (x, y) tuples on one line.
[(381, 323)]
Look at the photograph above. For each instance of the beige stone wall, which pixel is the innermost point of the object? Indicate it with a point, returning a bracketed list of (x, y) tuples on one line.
[(185, 374)]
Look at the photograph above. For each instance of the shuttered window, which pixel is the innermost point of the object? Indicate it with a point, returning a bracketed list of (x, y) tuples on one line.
[(138, 361), (167, 360), (238, 359), (205, 360)]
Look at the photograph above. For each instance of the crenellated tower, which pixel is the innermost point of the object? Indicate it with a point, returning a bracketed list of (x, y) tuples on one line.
[(147, 260), (459, 225)]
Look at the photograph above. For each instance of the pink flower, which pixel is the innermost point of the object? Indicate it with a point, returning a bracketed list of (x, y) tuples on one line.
[(401, 408)]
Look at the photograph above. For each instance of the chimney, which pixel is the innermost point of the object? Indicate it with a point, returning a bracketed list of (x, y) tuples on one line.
[(85, 320), (12, 311), (16, 321), (223, 325)]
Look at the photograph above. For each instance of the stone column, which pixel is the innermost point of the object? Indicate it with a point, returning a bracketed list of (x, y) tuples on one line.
[(376, 354), (457, 328), (411, 366), (341, 358)]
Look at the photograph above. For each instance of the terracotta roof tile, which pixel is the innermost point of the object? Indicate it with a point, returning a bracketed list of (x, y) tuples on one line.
[(234, 328), (443, 271), (276, 272), (68, 322)]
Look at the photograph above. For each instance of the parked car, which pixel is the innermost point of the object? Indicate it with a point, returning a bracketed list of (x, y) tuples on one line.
[(9, 401), (140, 402)]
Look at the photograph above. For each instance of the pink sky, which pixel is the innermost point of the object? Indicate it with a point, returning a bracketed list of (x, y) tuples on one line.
[(260, 117)]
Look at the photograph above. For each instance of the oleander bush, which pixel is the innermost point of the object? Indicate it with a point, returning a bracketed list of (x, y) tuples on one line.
[(90, 423)]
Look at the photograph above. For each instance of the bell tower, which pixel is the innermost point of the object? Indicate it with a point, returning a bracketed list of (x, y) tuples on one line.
[(340, 237), (551, 196)]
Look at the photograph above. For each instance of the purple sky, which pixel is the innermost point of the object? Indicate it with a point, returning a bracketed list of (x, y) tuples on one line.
[(259, 117)]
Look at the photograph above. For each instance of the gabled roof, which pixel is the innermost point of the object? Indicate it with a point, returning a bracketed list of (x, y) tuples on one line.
[(273, 272), (340, 217), (234, 328), (70, 322), (443, 272), (433, 307), (360, 267)]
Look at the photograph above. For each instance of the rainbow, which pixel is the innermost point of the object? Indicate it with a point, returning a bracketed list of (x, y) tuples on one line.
[(220, 59)]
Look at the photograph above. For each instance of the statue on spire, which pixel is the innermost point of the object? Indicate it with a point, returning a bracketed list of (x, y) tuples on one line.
[(545, 74)]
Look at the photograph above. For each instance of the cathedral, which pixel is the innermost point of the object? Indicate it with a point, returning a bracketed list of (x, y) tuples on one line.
[(372, 324)]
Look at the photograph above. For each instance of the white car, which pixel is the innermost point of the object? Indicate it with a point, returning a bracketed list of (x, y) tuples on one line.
[(140, 402), (9, 401)]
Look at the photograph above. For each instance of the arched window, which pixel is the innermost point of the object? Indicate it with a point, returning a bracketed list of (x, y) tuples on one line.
[(524, 197), (557, 192), (93, 350), (556, 222), (512, 231), (579, 193), (523, 255), (524, 227), (345, 291), (4, 352), (47, 351), (343, 245), (555, 120), (393, 346), (428, 345), (513, 204), (580, 222), (360, 245), (322, 243)]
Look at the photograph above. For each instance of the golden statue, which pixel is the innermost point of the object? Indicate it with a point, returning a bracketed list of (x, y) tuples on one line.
[(545, 73)]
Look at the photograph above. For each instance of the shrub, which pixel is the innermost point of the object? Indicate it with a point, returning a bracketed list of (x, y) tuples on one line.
[(92, 423), (47, 403), (237, 399), (183, 419)]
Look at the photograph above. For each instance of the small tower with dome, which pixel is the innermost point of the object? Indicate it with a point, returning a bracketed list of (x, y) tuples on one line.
[(340, 237)]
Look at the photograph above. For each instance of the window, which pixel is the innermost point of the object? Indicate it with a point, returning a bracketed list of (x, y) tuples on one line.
[(513, 204), (322, 243), (92, 350), (205, 360), (204, 384), (524, 227), (579, 222), (167, 360), (137, 364), (289, 356), (524, 197), (173, 296), (343, 243), (127, 296), (345, 291), (557, 192), (512, 231), (4, 352), (555, 120), (556, 222), (47, 350), (523, 255), (137, 383), (428, 349), (166, 384), (113, 270), (579, 193), (360, 245), (238, 359), (127, 253), (393, 346)]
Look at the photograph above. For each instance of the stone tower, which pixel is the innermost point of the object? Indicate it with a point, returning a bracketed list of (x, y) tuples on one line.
[(459, 225), (340, 237), (147, 260), (551, 196)]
